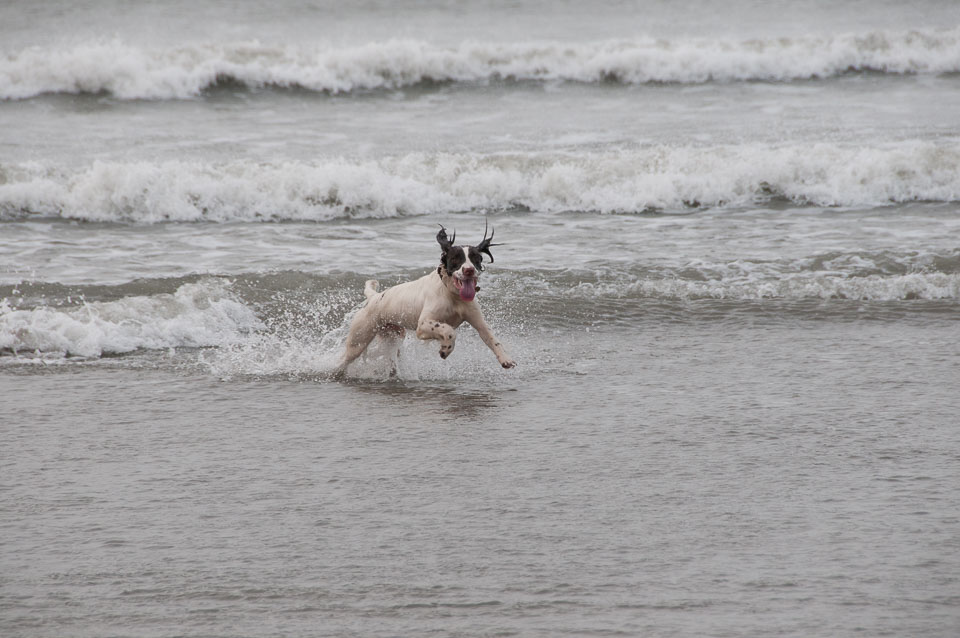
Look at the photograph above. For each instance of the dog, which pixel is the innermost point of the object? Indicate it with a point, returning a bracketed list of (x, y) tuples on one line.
[(434, 305)]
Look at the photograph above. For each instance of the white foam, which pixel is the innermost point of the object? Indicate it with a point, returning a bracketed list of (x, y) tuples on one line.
[(197, 314), (655, 177), (811, 285), (297, 354), (282, 352), (128, 71)]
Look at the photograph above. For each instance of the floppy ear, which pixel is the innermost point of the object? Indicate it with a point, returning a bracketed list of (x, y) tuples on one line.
[(445, 244), (484, 246)]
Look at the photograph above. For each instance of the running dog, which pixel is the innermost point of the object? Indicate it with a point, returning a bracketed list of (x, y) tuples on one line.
[(434, 305)]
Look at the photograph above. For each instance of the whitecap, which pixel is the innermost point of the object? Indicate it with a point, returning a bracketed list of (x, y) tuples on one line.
[(129, 71), (195, 315), (646, 179)]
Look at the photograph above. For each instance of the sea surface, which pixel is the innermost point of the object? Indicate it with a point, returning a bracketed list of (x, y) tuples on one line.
[(729, 274)]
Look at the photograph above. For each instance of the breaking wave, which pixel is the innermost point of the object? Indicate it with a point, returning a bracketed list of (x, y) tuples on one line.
[(195, 315), (128, 71), (648, 179)]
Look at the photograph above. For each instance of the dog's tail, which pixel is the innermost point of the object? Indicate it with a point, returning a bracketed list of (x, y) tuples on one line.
[(371, 288)]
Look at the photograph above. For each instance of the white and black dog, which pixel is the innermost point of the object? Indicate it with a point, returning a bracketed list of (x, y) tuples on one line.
[(434, 305)]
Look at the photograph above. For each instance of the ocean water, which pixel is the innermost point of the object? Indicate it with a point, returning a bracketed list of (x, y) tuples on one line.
[(730, 276)]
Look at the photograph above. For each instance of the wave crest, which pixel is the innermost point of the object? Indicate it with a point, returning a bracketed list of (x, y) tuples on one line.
[(197, 314), (131, 72), (649, 179)]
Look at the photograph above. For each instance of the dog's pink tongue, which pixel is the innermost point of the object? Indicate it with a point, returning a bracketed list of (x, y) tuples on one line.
[(468, 290)]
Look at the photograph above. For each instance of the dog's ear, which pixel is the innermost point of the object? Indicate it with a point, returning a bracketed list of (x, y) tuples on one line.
[(445, 243), (484, 246)]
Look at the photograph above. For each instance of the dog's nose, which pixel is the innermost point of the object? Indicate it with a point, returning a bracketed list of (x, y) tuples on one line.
[(469, 271)]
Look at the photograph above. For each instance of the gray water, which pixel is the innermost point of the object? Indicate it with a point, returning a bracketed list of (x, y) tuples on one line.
[(729, 274), (712, 479)]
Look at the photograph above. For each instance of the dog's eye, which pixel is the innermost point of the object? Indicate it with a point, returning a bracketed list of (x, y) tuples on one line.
[(455, 260)]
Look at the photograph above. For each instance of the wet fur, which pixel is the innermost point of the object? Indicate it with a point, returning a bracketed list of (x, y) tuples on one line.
[(431, 306)]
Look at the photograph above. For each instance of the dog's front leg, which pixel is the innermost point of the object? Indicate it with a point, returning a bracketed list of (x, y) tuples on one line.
[(475, 319), (428, 328)]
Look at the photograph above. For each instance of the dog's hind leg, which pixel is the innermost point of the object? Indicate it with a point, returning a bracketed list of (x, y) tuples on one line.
[(392, 336), (362, 332)]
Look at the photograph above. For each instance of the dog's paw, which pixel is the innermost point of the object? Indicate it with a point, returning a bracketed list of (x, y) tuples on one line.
[(508, 363), (445, 351)]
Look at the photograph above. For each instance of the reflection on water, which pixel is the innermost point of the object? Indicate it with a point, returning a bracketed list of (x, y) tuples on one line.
[(434, 400)]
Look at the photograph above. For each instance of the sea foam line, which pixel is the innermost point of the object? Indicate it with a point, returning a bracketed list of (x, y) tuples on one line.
[(650, 178), (912, 286), (128, 71)]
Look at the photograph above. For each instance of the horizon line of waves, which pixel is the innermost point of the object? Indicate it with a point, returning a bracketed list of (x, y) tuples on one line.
[(131, 72), (653, 179)]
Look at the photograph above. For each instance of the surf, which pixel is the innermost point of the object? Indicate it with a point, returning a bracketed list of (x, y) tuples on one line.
[(129, 71), (654, 178)]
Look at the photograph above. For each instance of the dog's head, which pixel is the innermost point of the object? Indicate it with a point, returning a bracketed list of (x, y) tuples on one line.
[(460, 266)]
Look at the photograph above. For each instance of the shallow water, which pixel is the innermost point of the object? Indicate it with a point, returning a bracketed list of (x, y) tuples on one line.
[(729, 273), (710, 479)]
